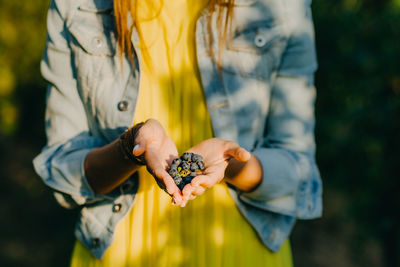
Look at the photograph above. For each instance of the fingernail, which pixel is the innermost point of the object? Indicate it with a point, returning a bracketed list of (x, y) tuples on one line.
[(136, 147)]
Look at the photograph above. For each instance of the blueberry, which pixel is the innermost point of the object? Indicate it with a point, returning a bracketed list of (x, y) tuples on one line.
[(197, 158), (173, 167), (187, 156), (201, 165), (173, 172), (185, 166), (176, 161), (194, 167), (177, 180)]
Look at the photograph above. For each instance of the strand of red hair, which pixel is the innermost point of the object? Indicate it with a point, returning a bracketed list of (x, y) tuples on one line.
[(125, 8)]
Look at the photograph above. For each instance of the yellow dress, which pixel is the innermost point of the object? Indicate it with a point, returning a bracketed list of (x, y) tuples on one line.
[(209, 231)]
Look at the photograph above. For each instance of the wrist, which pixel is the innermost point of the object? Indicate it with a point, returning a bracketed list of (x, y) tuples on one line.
[(245, 176), (127, 144)]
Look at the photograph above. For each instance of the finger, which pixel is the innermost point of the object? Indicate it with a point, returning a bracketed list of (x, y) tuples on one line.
[(183, 203), (169, 183), (138, 149), (192, 197), (185, 200), (187, 192), (242, 154), (198, 191), (173, 189), (237, 152), (203, 181)]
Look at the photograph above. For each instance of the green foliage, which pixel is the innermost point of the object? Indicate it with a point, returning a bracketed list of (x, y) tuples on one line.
[(358, 108), (22, 39)]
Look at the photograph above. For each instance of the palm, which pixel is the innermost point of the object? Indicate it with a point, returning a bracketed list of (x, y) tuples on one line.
[(159, 151), (214, 159), (216, 154), (215, 172)]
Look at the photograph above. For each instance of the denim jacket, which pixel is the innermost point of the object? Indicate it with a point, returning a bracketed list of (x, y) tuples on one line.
[(262, 98)]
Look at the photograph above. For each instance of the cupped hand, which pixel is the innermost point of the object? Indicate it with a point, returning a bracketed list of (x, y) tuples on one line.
[(159, 151), (216, 154)]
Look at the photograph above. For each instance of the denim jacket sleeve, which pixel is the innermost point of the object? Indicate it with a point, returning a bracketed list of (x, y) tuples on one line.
[(291, 182), (60, 164)]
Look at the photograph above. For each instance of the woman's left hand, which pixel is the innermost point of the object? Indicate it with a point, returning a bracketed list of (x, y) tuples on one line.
[(216, 154)]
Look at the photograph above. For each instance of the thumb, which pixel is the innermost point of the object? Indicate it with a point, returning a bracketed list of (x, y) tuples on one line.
[(138, 149), (238, 153)]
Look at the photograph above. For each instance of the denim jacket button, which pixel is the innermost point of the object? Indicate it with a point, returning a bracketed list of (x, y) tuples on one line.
[(116, 208), (310, 206), (97, 42), (123, 105), (260, 40), (95, 243)]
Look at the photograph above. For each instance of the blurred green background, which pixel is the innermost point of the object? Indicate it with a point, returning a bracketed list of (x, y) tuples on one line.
[(358, 132)]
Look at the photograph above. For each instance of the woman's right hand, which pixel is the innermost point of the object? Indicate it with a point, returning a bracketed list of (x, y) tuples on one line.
[(159, 151)]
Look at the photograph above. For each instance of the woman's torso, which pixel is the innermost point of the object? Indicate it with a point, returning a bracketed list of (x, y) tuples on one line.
[(242, 89), (250, 59), (209, 231)]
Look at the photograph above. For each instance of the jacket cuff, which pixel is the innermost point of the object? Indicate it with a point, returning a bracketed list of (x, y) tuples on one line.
[(61, 167), (277, 190)]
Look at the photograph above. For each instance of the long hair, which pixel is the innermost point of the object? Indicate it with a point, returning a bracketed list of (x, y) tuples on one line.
[(125, 10)]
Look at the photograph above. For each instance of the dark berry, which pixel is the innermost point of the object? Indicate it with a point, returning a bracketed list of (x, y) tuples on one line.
[(173, 172), (176, 162), (187, 156), (185, 166), (173, 167), (201, 165), (196, 158), (177, 180), (194, 167)]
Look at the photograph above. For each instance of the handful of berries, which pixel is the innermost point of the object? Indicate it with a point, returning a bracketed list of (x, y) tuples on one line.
[(185, 168)]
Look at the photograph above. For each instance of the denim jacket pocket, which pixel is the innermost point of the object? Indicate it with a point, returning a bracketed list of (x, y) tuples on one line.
[(254, 51), (93, 29), (96, 62), (93, 40)]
